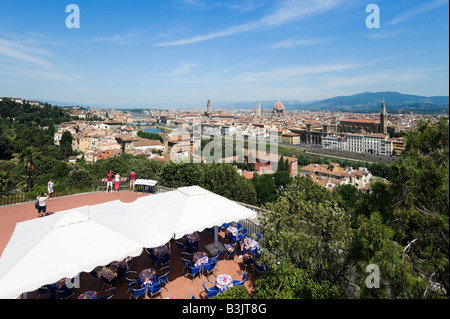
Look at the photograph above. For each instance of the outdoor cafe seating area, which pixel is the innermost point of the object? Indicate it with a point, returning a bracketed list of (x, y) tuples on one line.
[(187, 268)]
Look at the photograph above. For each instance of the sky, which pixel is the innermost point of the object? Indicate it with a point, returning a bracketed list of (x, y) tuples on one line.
[(180, 53)]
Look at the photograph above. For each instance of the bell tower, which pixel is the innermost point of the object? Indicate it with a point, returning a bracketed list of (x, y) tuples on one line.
[(383, 119)]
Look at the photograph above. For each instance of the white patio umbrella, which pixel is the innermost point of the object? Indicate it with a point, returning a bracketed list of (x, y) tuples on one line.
[(134, 221), (45, 250), (193, 208)]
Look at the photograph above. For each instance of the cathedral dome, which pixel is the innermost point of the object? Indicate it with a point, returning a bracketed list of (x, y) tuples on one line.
[(279, 107)]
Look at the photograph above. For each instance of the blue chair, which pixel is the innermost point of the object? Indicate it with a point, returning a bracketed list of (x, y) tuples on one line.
[(239, 227), (47, 289), (136, 290), (109, 283), (185, 258), (192, 271), (109, 293), (211, 291), (259, 267), (131, 277), (258, 237), (164, 277), (155, 289), (216, 257), (210, 266), (151, 255), (64, 292), (239, 282), (225, 226), (164, 259), (192, 247), (180, 244), (243, 234)]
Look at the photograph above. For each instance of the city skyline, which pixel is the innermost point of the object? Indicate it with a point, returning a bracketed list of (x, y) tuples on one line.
[(183, 52)]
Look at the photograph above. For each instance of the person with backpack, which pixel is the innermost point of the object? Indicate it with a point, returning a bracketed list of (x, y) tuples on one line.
[(41, 204)]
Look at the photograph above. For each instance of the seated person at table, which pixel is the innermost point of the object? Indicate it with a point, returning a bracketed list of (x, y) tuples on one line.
[(108, 273), (230, 247)]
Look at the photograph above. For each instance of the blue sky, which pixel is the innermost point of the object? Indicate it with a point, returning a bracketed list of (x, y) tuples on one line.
[(175, 53)]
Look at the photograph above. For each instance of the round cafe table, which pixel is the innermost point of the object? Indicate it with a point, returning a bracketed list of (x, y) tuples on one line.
[(250, 244), (200, 258), (147, 276), (192, 238), (223, 282), (89, 295), (159, 251)]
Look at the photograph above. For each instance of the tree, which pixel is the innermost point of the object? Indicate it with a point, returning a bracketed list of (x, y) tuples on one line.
[(373, 244), (65, 145), (420, 192), (307, 228)]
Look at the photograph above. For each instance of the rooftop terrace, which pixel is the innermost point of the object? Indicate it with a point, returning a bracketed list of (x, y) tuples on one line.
[(178, 286)]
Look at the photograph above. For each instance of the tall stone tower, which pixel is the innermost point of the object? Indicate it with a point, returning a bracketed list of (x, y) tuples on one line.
[(208, 107), (383, 119), (258, 109)]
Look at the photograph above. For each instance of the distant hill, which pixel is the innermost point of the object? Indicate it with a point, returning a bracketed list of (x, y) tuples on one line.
[(366, 101)]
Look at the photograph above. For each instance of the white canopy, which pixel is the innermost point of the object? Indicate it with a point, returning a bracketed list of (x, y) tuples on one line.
[(133, 220), (45, 250), (193, 208)]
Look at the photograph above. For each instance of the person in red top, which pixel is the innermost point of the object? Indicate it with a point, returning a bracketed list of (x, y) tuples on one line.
[(132, 179), (109, 183)]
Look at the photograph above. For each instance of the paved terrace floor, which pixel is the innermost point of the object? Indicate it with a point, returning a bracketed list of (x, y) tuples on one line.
[(178, 286)]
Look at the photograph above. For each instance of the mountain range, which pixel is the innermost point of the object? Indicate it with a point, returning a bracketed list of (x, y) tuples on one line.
[(367, 101)]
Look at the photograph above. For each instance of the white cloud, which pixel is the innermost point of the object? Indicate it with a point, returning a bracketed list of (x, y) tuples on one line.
[(293, 42), (17, 52), (430, 5), (183, 69), (288, 11)]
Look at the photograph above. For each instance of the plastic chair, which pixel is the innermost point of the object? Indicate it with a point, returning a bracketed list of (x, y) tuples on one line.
[(164, 277), (239, 282), (185, 260), (243, 234), (109, 283), (211, 291), (109, 293), (191, 270), (64, 292), (164, 259), (180, 244), (47, 289), (192, 247), (260, 268), (239, 227), (150, 254), (258, 237), (225, 226), (155, 289), (136, 290), (210, 266)]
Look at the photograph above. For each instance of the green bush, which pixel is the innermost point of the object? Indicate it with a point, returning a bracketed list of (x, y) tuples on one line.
[(236, 292)]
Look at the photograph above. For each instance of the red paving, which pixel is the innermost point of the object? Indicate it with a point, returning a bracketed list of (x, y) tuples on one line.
[(178, 286)]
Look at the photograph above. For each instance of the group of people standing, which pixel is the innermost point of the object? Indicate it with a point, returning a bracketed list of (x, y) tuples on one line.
[(116, 179), (41, 201)]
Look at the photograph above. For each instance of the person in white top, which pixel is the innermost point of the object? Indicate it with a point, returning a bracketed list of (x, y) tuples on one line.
[(50, 188), (42, 204), (117, 182)]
